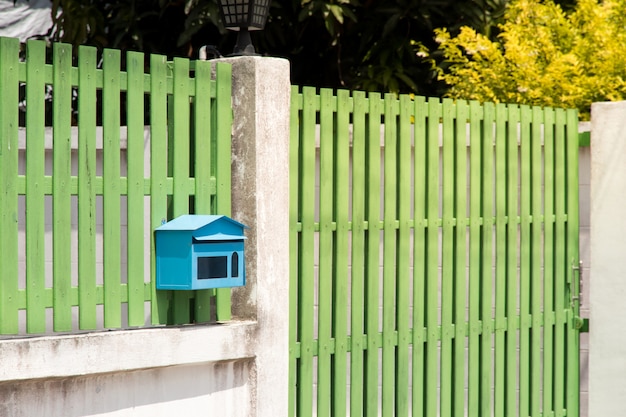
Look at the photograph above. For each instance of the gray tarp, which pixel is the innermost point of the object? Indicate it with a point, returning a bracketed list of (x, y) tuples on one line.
[(25, 18)]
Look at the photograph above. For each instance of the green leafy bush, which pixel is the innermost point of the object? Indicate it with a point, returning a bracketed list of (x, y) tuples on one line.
[(542, 56)]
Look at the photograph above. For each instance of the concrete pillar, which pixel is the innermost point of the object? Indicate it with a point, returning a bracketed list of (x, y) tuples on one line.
[(607, 339), (260, 199)]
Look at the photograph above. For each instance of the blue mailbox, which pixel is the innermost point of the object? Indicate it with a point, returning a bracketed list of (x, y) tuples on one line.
[(197, 252)]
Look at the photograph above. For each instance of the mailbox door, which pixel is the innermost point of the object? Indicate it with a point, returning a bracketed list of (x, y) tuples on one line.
[(217, 265)]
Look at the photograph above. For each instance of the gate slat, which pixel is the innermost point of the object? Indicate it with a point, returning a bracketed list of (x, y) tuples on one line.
[(548, 266), (460, 260), (35, 199), (449, 170), (501, 322), (511, 262), (536, 261), (341, 252), (403, 156), (419, 259), (325, 268), (432, 257), (357, 255), (373, 253), (474, 267), (525, 263), (487, 261)]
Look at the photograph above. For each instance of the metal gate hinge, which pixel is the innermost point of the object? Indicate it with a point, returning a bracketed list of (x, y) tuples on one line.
[(578, 268)]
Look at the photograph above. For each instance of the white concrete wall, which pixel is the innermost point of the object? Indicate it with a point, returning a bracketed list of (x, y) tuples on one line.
[(239, 368), (607, 289)]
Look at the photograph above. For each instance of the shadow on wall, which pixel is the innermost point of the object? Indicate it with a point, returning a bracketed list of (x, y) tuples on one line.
[(209, 389)]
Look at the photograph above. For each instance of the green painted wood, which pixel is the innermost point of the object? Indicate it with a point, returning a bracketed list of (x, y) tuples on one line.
[(357, 294), (548, 263), (325, 249), (459, 260), (373, 168), (341, 193), (535, 259), (525, 262), (61, 199), (294, 191), (403, 288), (511, 261), (223, 123), (572, 400), (473, 377), (160, 305), (202, 165), (419, 259), (561, 263), (447, 260), (432, 256), (306, 247), (500, 226), (180, 146), (487, 355), (87, 62), (390, 207), (35, 199), (135, 198), (9, 59)]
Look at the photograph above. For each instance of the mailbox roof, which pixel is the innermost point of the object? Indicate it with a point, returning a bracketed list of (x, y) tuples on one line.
[(194, 222)]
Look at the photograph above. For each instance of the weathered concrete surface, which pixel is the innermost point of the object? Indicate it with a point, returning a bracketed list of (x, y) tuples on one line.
[(260, 181), (607, 339)]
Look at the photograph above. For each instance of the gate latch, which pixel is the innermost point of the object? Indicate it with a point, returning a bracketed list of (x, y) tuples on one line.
[(578, 268)]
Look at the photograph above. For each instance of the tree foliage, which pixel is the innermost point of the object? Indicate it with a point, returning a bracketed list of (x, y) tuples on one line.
[(359, 44), (542, 56)]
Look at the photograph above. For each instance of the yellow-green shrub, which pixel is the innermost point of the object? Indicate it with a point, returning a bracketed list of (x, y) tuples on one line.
[(542, 56)]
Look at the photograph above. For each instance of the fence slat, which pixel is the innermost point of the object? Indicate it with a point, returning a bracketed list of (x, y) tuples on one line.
[(501, 323), (357, 254), (325, 266), (341, 252), (178, 143), (35, 199), (158, 187), (419, 259), (373, 180), (61, 200), (548, 263), (203, 165), (487, 261), (432, 256), (87, 61), (9, 61), (460, 262), (135, 199), (536, 264), (403, 288), (511, 262), (473, 380), (223, 121), (306, 255), (447, 261)]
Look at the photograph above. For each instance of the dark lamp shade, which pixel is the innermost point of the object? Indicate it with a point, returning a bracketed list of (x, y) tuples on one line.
[(250, 14)]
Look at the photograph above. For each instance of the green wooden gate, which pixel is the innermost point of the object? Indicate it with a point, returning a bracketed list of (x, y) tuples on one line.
[(434, 254)]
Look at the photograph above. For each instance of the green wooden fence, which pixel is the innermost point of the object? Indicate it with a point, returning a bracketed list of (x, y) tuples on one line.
[(72, 225), (434, 247)]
